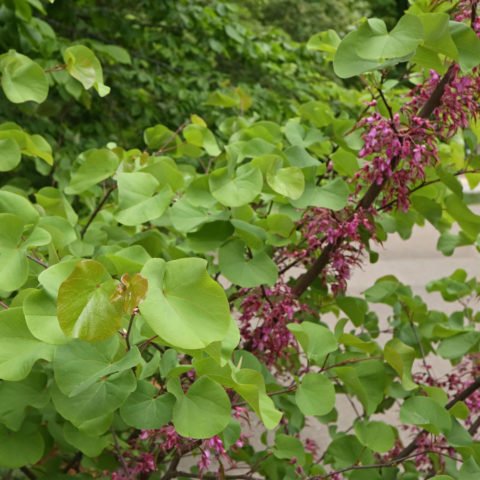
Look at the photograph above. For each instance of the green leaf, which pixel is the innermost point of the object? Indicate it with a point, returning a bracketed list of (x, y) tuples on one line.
[(346, 451), (376, 43), (427, 413), (378, 436), (317, 341), (366, 380), (10, 154), (184, 306), (91, 410), (327, 42), (89, 445), (333, 196), (140, 200), (210, 236), (345, 163), (41, 316), (288, 181), (289, 448), (23, 80), (84, 66), (315, 395), (401, 358), (145, 409), (78, 365), (19, 350), (97, 165), (86, 306), (260, 269), (204, 411), (52, 277), (21, 448), (19, 206), (236, 191), (372, 46), (13, 260), (468, 45), (355, 309), (17, 397), (201, 136), (468, 221), (250, 384), (459, 345)]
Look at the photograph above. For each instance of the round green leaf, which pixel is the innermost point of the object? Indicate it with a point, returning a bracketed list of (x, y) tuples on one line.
[(19, 350), (84, 66), (203, 412), (236, 191), (13, 261), (258, 270), (89, 445), (91, 409), (378, 436), (19, 206), (138, 200), (427, 413), (21, 448), (23, 80), (41, 317), (289, 182), (98, 165), (87, 307), (287, 447), (316, 340), (184, 306), (10, 154), (78, 365), (315, 395), (376, 43), (145, 410)]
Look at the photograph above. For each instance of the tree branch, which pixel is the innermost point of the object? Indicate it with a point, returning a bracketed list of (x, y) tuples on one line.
[(393, 463), (28, 473), (97, 209), (305, 280), (37, 261), (412, 446)]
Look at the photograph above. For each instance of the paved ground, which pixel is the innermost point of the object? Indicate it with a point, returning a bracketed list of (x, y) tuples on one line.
[(414, 262)]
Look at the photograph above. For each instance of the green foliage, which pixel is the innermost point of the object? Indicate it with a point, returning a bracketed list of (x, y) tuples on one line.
[(128, 264)]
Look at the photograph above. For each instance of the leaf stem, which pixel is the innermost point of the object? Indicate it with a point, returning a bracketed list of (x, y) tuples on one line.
[(37, 260), (97, 209), (129, 330)]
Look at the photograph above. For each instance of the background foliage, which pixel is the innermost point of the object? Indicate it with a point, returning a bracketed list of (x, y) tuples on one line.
[(186, 187)]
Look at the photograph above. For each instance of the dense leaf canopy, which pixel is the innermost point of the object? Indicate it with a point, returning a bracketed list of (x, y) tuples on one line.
[(185, 189)]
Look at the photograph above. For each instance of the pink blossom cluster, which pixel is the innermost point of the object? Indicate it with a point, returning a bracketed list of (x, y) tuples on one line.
[(464, 13), (460, 101), (397, 153), (265, 313), (140, 457), (321, 227), (453, 383), (211, 447), (144, 463)]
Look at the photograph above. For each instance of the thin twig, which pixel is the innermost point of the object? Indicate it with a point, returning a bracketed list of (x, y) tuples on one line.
[(3, 305), (129, 330), (208, 476), (28, 473), (119, 455), (393, 463), (97, 209), (37, 261)]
